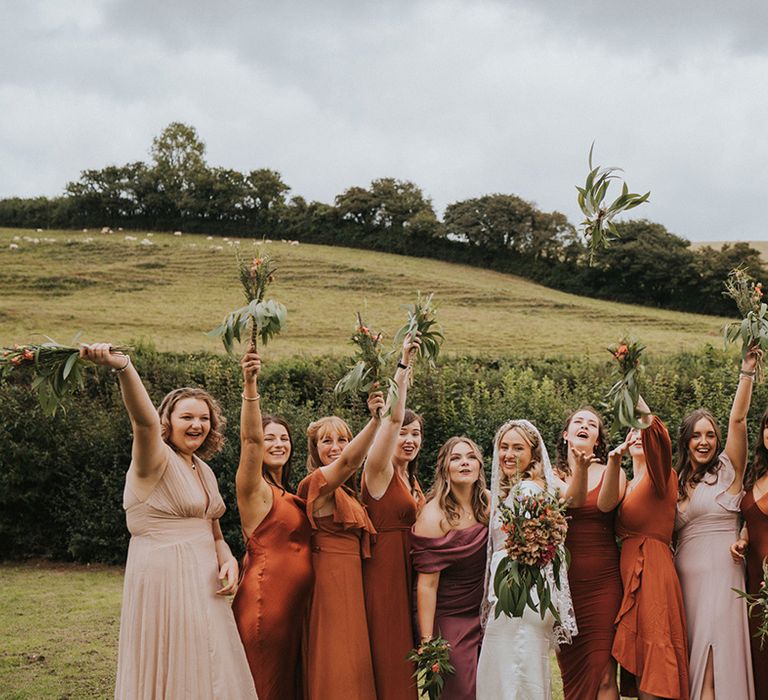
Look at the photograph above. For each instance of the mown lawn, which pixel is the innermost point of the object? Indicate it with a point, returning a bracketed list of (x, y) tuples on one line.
[(59, 628), (172, 291)]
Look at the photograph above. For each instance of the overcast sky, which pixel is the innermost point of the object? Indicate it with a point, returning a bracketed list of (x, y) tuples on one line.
[(464, 97)]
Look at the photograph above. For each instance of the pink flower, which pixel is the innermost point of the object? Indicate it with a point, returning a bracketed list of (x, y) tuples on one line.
[(435, 667)]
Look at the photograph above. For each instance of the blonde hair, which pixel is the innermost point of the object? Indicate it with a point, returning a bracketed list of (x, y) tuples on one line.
[(441, 487), (535, 468), (316, 431), (214, 441)]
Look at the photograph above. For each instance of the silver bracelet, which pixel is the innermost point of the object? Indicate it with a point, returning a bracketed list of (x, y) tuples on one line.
[(124, 367), (251, 398)]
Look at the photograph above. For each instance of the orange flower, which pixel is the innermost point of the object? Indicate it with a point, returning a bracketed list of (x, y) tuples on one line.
[(435, 667), (16, 360), (28, 354)]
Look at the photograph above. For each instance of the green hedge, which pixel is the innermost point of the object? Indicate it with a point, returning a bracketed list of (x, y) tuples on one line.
[(61, 479)]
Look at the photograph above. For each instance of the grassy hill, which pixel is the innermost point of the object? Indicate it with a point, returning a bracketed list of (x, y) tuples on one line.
[(171, 289)]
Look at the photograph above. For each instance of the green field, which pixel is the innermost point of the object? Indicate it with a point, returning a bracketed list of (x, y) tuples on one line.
[(173, 290), (58, 631)]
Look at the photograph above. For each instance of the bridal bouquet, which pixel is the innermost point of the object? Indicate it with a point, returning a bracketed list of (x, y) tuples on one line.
[(753, 327), (58, 369), (422, 319), (535, 526), (598, 226), (623, 395), (432, 661), (367, 374), (757, 605), (266, 318)]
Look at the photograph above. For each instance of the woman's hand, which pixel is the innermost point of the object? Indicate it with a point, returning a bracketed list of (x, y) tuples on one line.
[(738, 550), (376, 404), (617, 453), (251, 365), (228, 574), (411, 348), (584, 459), (753, 356), (102, 354)]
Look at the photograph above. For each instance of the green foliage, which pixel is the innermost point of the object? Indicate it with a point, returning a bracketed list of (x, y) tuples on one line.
[(625, 393), (422, 319)]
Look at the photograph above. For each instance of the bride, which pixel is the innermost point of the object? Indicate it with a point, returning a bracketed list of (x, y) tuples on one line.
[(515, 655)]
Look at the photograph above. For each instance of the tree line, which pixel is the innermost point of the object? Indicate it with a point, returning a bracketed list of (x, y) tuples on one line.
[(177, 189)]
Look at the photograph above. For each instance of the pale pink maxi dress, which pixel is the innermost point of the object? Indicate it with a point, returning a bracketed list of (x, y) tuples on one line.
[(716, 616), (177, 638)]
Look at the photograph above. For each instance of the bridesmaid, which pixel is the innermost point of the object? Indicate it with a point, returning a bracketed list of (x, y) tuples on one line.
[(586, 665), (754, 541), (449, 544), (338, 653), (392, 495), (651, 641), (707, 522), (271, 602), (177, 634)]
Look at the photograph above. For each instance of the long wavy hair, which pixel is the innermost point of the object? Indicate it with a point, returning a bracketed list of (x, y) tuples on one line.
[(601, 446), (316, 431), (441, 487), (285, 479), (759, 465), (413, 466), (214, 441), (535, 468), (686, 473)]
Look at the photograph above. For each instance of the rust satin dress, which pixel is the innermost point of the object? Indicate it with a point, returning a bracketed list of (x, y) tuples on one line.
[(595, 582), (388, 584), (338, 652), (271, 602), (756, 517), (651, 641)]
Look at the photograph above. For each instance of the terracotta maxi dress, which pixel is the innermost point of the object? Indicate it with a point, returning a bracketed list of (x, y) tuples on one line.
[(271, 603), (460, 557), (651, 641), (338, 653), (716, 616), (178, 639), (388, 585), (756, 517), (595, 582)]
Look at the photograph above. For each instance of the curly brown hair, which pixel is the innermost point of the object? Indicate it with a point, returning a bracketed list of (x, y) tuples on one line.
[(759, 466), (441, 487), (686, 474), (214, 441), (601, 446)]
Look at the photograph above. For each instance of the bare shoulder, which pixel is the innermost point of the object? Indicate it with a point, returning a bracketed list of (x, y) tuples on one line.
[(431, 521)]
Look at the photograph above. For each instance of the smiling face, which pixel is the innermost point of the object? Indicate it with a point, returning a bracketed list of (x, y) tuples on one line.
[(408, 442), (464, 464), (515, 453), (330, 444), (702, 445), (583, 431), (190, 423), (277, 446)]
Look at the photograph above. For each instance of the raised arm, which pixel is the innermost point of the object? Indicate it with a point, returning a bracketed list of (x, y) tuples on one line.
[(378, 466), (614, 481), (349, 461), (148, 451), (736, 445), (254, 497), (575, 492)]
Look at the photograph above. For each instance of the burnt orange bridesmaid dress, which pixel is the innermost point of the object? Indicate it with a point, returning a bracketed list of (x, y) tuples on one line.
[(338, 652), (595, 582), (388, 582), (272, 599), (756, 517), (651, 641)]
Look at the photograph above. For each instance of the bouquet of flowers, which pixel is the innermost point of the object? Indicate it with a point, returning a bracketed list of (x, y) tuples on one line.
[(266, 318), (598, 226), (422, 319), (432, 661), (535, 527), (623, 395), (367, 374), (753, 327), (58, 369), (757, 605)]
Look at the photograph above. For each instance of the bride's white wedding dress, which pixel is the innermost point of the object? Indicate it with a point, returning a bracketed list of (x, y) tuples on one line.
[(515, 655)]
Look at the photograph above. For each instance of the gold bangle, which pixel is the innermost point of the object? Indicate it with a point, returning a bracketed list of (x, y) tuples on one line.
[(250, 398)]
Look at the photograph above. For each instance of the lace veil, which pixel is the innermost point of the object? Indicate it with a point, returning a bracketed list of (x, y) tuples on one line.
[(566, 628)]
